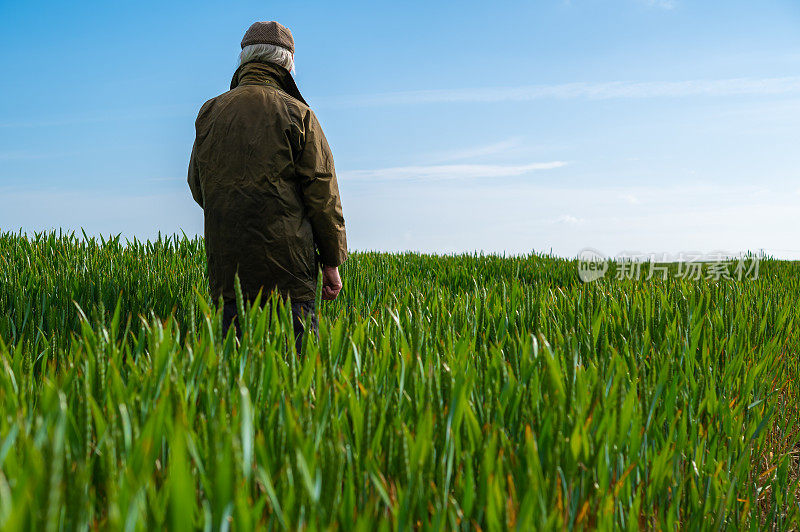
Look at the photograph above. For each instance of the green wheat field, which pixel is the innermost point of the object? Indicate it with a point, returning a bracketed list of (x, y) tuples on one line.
[(444, 393)]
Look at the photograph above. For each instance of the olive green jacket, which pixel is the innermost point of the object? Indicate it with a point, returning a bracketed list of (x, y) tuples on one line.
[(263, 173)]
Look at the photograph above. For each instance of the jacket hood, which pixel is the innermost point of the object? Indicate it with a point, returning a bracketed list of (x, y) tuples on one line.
[(255, 72)]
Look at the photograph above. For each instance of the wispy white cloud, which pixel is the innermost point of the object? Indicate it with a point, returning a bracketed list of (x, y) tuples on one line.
[(579, 90), (567, 219), (449, 171), (630, 198), (662, 4), (478, 151)]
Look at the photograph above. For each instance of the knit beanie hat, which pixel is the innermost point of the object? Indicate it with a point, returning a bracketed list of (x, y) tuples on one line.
[(269, 33)]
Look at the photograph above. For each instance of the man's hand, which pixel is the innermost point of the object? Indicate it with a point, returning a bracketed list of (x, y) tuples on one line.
[(331, 283)]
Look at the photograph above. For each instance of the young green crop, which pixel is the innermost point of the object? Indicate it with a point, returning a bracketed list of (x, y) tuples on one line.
[(448, 392)]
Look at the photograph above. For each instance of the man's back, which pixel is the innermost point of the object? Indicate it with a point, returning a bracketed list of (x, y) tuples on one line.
[(263, 173)]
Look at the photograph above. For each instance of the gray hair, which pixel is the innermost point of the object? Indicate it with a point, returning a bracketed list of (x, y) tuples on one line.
[(268, 53)]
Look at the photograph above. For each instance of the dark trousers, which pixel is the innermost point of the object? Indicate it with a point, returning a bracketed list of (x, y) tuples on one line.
[(300, 311)]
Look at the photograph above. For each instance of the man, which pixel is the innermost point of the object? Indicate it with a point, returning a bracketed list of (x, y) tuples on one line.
[(263, 173)]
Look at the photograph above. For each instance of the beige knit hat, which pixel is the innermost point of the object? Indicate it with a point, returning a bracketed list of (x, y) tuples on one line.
[(269, 33)]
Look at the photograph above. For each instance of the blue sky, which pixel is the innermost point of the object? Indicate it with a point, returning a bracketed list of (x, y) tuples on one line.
[(648, 125)]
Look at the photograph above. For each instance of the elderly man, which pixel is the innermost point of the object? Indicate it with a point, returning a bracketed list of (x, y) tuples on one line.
[(263, 173)]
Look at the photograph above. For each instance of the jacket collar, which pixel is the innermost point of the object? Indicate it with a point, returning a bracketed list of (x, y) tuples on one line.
[(255, 73)]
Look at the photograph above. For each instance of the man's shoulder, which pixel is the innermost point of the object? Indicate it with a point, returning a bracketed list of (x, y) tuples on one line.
[(243, 93), (290, 101), (207, 107), (250, 97)]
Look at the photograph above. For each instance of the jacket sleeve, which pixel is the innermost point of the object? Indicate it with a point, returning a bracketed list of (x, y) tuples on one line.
[(194, 178), (320, 192)]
